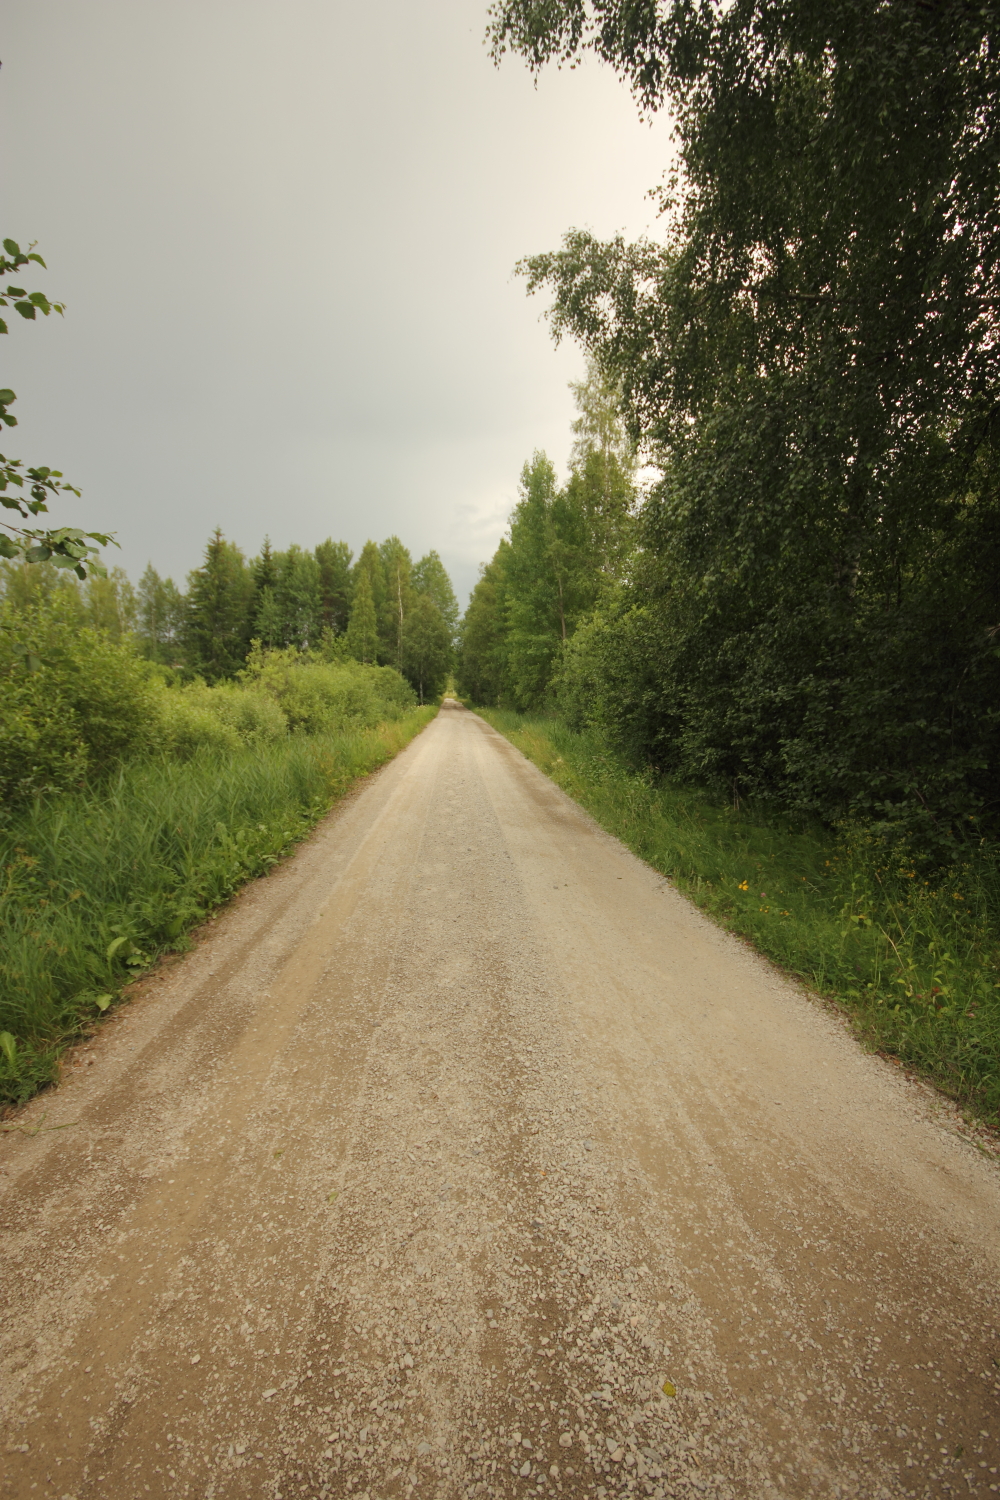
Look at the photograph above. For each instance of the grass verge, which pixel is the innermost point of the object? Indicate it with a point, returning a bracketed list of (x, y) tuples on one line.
[(96, 884), (913, 957)]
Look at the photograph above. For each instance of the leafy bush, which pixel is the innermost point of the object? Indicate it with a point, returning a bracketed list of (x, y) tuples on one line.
[(76, 704), (315, 696), (222, 717)]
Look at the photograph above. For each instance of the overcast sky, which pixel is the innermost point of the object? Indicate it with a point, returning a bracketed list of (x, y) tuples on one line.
[(285, 235)]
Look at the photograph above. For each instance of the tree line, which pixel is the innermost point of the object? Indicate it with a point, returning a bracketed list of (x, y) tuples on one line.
[(380, 609), (809, 610)]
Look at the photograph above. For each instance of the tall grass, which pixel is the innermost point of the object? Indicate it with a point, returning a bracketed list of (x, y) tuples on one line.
[(912, 954), (95, 884)]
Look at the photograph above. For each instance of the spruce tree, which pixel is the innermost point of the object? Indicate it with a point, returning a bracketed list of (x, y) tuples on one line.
[(335, 588), (217, 618)]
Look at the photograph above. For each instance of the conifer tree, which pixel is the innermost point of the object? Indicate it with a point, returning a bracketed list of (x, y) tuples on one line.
[(217, 616), (335, 588)]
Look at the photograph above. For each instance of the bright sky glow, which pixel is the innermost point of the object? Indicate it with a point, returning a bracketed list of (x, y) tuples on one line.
[(285, 235)]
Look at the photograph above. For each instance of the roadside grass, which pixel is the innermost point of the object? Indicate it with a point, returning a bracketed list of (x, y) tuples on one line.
[(94, 885), (912, 956)]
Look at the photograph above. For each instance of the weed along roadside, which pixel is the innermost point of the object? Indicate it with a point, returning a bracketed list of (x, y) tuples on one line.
[(910, 956), (98, 883)]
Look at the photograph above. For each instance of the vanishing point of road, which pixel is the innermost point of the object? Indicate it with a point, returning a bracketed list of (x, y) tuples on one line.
[(463, 1157)]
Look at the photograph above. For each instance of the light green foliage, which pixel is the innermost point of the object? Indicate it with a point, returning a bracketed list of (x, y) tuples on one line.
[(25, 491), (545, 539), (370, 563), (430, 577), (913, 958), (362, 630), (482, 654), (227, 716), (396, 569), (159, 614), (565, 547), (316, 697), (96, 882), (111, 603), (427, 647), (75, 703)]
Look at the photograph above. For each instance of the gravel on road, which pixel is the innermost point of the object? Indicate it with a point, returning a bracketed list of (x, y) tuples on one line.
[(463, 1157)]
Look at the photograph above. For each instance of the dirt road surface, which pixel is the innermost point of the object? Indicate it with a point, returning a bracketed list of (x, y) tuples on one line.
[(449, 1146)]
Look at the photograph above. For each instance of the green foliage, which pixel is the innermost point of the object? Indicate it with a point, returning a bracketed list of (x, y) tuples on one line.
[(565, 547), (159, 616), (216, 627), (811, 357), (76, 703), (95, 883), (362, 628), (429, 577), (27, 491), (335, 587), (316, 696), (482, 656), (913, 957), (427, 647), (396, 569)]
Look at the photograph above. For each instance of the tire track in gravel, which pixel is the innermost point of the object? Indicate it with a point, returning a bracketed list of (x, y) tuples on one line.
[(452, 1142)]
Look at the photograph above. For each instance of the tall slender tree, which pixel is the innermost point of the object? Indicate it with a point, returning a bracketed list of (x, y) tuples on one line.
[(217, 622), (362, 627), (334, 559)]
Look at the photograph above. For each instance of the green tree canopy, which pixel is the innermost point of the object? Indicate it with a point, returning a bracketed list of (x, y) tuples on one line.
[(362, 640), (334, 560), (26, 491), (811, 356), (217, 621), (430, 576), (427, 647), (159, 615)]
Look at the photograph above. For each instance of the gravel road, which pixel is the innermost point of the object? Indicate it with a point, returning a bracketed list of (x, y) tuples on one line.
[(463, 1157)]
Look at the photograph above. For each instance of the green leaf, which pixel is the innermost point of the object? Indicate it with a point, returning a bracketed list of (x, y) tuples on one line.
[(8, 1046), (114, 945), (12, 247), (26, 309), (103, 1001)]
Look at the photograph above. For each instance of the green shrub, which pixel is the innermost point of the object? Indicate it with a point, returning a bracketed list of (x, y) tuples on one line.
[(185, 724), (75, 704), (317, 696)]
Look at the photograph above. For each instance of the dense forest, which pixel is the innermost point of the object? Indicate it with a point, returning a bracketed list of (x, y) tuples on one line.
[(803, 606), (381, 609)]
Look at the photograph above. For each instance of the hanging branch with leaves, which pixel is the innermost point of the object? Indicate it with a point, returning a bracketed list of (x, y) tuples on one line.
[(24, 490)]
